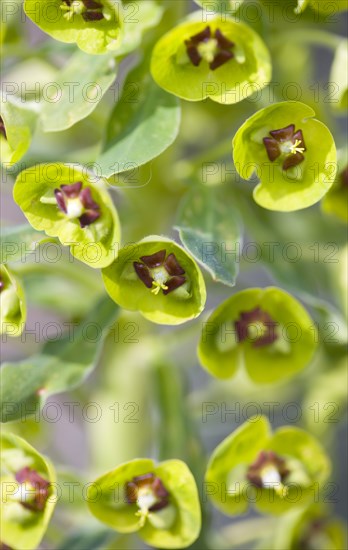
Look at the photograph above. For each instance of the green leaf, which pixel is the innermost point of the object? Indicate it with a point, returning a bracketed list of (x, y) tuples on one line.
[(210, 227), (22, 529), (17, 241), (144, 123), (19, 120), (63, 364), (79, 90)]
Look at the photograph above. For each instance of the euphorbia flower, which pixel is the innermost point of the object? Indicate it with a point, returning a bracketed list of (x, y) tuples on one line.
[(12, 303), (158, 278), (265, 330), (293, 155), (72, 205), (275, 471), (159, 501), (95, 25), (221, 59), (27, 488), (310, 528)]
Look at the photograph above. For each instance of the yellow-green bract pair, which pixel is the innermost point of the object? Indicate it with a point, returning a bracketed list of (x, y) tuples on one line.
[(275, 471), (71, 203), (159, 501), (27, 493), (292, 153), (266, 331)]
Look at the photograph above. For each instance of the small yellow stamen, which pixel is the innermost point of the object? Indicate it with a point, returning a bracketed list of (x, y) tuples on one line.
[(294, 148), (143, 514), (157, 286), (281, 490)]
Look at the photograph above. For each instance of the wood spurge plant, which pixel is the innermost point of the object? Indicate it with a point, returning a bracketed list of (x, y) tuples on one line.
[(173, 274)]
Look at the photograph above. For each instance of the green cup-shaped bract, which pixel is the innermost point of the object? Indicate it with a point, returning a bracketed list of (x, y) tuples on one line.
[(78, 24), (335, 201), (128, 290), (175, 526), (221, 351), (22, 528), (226, 479), (312, 527), (34, 191), (13, 309), (248, 71), (17, 124), (299, 186)]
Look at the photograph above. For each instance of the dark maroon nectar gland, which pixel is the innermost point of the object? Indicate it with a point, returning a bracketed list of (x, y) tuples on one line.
[(160, 272), (88, 9), (288, 143), (2, 128), (34, 489), (148, 493), (2, 285), (77, 203), (215, 48), (256, 325), (344, 178), (269, 471)]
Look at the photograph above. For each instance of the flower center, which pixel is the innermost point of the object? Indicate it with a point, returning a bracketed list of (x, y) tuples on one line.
[(77, 203), (150, 495), (268, 472), (207, 50), (256, 325), (160, 272), (287, 143), (214, 48), (288, 147), (34, 490), (90, 10)]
